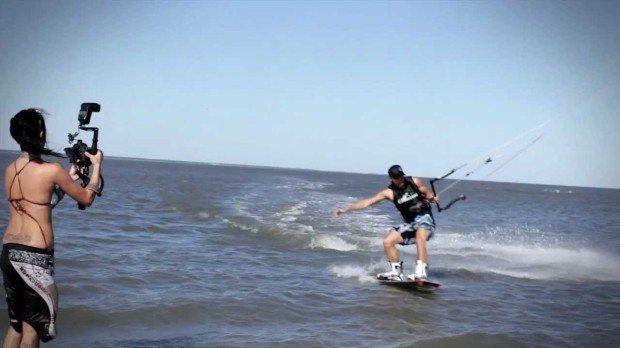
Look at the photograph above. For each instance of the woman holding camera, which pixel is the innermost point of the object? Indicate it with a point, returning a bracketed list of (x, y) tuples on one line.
[(33, 187)]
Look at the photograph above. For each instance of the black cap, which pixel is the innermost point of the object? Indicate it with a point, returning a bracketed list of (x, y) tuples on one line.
[(396, 172)]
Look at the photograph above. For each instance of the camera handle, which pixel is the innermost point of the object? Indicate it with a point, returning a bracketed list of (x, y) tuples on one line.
[(93, 151), (95, 130)]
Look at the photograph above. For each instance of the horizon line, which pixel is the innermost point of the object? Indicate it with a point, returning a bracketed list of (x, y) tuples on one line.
[(126, 158)]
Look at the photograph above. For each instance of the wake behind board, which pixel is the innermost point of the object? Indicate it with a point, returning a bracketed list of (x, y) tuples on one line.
[(415, 285)]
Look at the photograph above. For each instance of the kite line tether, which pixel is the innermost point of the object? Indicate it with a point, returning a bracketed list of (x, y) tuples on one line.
[(482, 161)]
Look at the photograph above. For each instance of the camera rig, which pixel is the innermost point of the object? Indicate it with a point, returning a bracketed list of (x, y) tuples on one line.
[(76, 153)]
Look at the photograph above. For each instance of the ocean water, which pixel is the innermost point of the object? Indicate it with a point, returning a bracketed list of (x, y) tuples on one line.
[(197, 255)]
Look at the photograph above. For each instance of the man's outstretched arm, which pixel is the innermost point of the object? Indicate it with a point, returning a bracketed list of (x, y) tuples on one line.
[(364, 203)]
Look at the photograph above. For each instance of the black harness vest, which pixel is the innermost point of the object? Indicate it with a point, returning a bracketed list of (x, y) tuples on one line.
[(409, 200)]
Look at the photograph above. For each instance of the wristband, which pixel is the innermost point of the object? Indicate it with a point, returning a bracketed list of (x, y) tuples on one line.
[(93, 188)]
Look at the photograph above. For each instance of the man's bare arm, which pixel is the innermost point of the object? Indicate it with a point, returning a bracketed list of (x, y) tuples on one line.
[(365, 203), (428, 194)]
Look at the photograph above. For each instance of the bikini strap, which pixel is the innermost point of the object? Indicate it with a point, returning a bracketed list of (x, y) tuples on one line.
[(15, 202), (19, 183), (17, 172)]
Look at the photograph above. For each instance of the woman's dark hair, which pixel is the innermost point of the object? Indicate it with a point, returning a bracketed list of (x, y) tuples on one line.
[(26, 128)]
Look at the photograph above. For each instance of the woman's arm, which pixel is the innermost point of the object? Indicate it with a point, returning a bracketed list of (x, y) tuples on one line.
[(83, 195)]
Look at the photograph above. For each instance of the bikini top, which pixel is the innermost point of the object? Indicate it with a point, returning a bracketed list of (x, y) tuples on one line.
[(16, 202)]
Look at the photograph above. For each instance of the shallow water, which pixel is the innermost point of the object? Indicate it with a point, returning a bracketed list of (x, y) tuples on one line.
[(193, 255)]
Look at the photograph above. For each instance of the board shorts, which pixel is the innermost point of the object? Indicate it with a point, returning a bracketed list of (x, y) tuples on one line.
[(31, 293), (407, 230)]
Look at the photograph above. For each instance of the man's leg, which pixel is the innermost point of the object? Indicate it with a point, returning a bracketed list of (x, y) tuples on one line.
[(12, 339), (389, 244), (421, 236)]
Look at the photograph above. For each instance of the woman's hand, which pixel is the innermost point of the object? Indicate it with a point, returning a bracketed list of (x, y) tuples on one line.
[(73, 172), (95, 159)]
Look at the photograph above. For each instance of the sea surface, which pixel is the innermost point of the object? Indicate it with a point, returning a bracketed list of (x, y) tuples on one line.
[(198, 255)]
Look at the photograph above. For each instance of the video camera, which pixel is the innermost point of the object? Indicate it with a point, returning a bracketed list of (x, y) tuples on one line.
[(76, 153)]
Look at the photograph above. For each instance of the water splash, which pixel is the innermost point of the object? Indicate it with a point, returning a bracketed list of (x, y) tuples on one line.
[(530, 255), (353, 271), (331, 242)]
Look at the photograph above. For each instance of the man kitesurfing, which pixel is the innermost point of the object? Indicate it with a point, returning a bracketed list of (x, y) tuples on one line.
[(412, 199)]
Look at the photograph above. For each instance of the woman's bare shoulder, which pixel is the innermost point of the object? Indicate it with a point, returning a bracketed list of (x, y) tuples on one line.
[(53, 169)]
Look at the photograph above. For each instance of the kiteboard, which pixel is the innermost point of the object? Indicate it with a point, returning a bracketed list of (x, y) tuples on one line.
[(415, 285)]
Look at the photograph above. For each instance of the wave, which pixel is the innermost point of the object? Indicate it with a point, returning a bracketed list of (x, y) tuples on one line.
[(291, 214), (514, 251), (523, 259), (478, 254), (239, 225), (331, 242), (305, 220), (297, 184), (556, 263), (357, 272)]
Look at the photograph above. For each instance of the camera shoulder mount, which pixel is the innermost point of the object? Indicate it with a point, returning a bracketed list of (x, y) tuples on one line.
[(76, 153)]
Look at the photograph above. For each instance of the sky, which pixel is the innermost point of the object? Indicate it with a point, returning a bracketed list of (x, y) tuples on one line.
[(328, 85)]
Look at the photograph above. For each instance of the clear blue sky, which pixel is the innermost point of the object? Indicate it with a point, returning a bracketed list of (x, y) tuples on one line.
[(345, 86)]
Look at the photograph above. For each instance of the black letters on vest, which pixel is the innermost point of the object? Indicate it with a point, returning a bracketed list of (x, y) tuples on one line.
[(409, 200)]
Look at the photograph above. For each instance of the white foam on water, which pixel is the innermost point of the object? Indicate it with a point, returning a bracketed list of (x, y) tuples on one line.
[(368, 223), (314, 185), (534, 259), (296, 184), (367, 243), (203, 215), (288, 219), (291, 214), (243, 209), (553, 262), (295, 228), (331, 242), (240, 226), (366, 229), (353, 271)]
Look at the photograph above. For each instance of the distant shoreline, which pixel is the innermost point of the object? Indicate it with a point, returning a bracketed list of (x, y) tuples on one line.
[(234, 165)]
